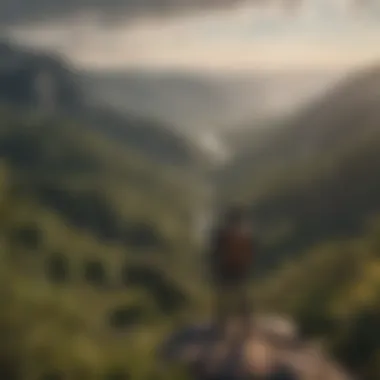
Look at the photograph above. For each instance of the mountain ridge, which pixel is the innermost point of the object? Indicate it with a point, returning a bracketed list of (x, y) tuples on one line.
[(49, 84)]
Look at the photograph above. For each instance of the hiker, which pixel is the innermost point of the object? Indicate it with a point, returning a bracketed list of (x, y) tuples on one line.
[(231, 258)]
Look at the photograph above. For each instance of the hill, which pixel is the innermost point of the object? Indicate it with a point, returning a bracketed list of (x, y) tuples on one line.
[(96, 226), (34, 79), (333, 291), (86, 222), (47, 83), (312, 185), (196, 101), (315, 176), (323, 124)]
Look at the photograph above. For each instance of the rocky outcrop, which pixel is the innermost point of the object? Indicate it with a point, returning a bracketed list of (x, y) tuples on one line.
[(272, 351), (34, 79)]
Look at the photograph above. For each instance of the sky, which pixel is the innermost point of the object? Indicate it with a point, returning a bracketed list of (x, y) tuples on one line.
[(320, 34)]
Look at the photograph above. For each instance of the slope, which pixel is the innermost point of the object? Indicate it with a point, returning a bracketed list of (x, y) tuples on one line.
[(323, 125), (47, 83), (333, 292), (312, 187), (197, 101), (83, 204), (316, 176)]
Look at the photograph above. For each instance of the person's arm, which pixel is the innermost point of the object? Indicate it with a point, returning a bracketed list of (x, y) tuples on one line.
[(254, 247)]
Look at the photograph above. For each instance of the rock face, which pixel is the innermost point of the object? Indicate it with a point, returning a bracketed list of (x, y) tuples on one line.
[(271, 351), (37, 80)]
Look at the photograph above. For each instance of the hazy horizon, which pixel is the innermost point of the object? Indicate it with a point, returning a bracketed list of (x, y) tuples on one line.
[(289, 55)]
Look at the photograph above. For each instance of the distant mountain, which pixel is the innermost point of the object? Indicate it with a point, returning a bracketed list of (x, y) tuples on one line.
[(312, 185), (47, 84), (323, 125), (316, 176), (198, 101), (28, 78)]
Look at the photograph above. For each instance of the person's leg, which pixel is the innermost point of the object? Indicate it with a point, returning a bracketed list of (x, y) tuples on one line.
[(220, 307), (245, 310)]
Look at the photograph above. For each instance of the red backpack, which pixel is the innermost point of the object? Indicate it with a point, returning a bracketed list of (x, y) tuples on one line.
[(236, 248)]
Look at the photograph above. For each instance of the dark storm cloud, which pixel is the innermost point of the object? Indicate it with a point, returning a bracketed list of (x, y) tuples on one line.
[(23, 11)]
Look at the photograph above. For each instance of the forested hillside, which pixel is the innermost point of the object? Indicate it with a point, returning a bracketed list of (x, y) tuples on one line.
[(315, 177), (333, 292), (313, 189), (337, 118), (91, 234), (96, 227)]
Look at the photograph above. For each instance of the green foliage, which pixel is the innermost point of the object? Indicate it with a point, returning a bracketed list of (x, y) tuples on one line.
[(94, 184), (313, 188), (316, 176), (91, 228), (45, 332), (334, 293), (78, 299)]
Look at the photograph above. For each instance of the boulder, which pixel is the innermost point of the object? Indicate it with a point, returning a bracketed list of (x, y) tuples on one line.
[(272, 350)]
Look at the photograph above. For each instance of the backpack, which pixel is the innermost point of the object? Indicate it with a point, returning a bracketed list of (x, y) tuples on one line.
[(236, 248)]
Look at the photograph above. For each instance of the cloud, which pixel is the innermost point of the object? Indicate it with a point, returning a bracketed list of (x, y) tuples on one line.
[(240, 38), (111, 11), (27, 11)]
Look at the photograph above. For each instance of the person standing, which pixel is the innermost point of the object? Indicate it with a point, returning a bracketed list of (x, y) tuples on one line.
[(231, 257)]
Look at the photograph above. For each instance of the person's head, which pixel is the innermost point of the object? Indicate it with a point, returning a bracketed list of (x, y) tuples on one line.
[(236, 214)]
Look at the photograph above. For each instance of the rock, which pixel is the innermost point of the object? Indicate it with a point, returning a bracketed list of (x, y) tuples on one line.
[(268, 353), (278, 327)]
